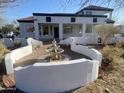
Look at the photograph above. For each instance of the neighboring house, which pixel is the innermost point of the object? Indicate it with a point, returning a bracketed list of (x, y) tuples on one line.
[(63, 25)]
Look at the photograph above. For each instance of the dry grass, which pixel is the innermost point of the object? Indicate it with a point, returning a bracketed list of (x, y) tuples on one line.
[(3, 51)]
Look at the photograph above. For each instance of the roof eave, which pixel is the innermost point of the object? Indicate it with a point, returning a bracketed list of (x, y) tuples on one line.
[(26, 21), (100, 9), (67, 15)]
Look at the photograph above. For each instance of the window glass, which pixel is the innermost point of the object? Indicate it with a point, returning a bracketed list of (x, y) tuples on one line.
[(67, 29), (48, 19), (72, 19), (88, 28), (94, 19), (88, 12), (45, 30), (30, 29)]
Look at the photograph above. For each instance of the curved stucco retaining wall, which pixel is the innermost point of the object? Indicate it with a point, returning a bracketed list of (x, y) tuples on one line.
[(90, 52), (14, 55), (91, 39), (56, 76), (84, 40)]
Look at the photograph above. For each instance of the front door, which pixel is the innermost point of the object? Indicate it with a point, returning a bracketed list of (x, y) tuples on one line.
[(56, 32)]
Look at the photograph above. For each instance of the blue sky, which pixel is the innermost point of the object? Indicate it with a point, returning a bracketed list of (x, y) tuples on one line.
[(27, 7)]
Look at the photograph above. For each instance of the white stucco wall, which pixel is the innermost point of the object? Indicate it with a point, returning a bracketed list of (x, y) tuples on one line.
[(23, 29), (95, 12), (122, 28), (86, 39), (59, 77), (15, 55), (81, 20), (56, 77), (90, 52)]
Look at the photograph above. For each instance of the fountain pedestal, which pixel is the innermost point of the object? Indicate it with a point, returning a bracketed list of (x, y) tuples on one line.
[(55, 52)]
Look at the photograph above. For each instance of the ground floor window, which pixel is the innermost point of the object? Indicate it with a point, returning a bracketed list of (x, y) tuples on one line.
[(67, 29), (45, 30), (30, 29), (88, 28)]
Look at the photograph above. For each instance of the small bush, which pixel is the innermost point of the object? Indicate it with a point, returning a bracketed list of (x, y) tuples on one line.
[(17, 44), (122, 55), (107, 60), (120, 44), (3, 51)]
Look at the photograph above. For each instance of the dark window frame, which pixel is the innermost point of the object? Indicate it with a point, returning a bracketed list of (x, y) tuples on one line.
[(94, 20), (73, 19), (48, 19)]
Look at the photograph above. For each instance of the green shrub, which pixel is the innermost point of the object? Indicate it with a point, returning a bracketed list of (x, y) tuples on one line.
[(120, 44)]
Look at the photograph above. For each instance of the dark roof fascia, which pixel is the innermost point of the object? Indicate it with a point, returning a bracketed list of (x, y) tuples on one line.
[(93, 10), (26, 21), (48, 14), (111, 22), (67, 15), (99, 9)]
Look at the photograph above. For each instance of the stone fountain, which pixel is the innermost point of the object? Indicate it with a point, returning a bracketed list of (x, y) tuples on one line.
[(55, 52)]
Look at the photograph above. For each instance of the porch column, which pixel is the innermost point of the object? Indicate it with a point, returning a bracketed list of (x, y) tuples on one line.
[(83, 29), (36, 30), (93, 29), (110, 15), (60, 31)]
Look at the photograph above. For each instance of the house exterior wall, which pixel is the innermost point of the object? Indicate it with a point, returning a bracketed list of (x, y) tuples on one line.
[(122, 28), (98, 13), (66, 20), (79, 20), (76, 31), (24, 30)]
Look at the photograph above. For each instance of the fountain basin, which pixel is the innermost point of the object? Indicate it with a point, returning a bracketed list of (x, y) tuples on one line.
[(50, 50)]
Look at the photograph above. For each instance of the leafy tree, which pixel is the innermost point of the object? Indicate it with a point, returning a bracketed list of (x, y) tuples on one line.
[(106, 32), (8, 28)]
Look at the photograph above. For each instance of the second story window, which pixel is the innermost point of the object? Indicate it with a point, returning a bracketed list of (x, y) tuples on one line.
[(72, 19), (82, 12), (94, 20), (88, 12), (48, 19)]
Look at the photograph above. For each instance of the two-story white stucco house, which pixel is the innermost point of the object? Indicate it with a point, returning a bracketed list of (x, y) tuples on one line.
[(45, 26)]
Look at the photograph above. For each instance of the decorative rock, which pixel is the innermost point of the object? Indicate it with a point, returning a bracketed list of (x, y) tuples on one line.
[(107, 90), (8, 81)]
